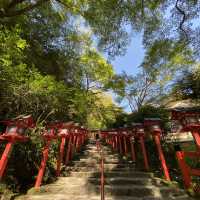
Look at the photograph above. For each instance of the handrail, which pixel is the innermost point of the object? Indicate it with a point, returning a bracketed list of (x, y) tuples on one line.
[(102, 178)]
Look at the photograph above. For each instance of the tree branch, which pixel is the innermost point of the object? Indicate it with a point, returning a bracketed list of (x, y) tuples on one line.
[(183, 19), (13, 3), (131, 105), (142, 7), (22, 11)]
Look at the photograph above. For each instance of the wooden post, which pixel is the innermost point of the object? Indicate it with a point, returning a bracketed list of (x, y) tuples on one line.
[(113, 142), (43, 165), (4, 158), (184, 169), (125, 146), (68, 157), (196, 136), (60, 156), (144, 152), (156, 136), (132, 149), (120, 145)]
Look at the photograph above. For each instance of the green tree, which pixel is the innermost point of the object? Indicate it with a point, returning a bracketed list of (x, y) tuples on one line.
[(136, 90), (187, 85)]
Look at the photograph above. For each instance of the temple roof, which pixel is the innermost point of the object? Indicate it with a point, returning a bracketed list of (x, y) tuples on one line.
[(183, 105)]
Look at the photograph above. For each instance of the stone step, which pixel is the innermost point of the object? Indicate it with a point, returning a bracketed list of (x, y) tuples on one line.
[(90, 160), (142, 190), (97, 156), (111, 174), (106, 165), (122, 180), (111, 181), (105, 154), (96, 168), (114, 190), (93, 146), (95, 197), (108, 181)]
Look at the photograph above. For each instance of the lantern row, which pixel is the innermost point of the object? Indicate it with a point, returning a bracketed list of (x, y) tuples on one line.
[(69, 133), (122, 138)]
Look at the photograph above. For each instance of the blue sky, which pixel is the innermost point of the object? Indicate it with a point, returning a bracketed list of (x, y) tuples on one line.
[(133, 58), (130, 62)]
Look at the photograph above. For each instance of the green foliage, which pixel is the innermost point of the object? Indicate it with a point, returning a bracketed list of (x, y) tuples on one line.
[(147, 111), (53, 73), (49, 67), (136, 90), (187, 86), (104, 112), (108, 19), (95, 68)]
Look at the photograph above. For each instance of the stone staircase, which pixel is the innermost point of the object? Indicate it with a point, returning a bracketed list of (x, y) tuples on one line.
[(81, 181)]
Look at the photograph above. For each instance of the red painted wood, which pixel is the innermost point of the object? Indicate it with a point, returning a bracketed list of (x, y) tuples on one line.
[(113, 142), (102, 179), (161, 156), (125, 146), (192, 154), (73, 145), (184, 169), (4, 158), (133, 156), (116, 143), (68, 150), (43, 165), (78, 143), (195, 172), (120, 145), (196, 136), (60, 156), (144, 152)]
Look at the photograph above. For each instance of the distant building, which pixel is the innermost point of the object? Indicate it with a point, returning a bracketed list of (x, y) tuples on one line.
[(176, 134)]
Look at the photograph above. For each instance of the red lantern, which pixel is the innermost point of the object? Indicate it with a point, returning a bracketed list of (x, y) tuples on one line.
[(63, 133), (15, 132), (49, 134), (153, 125)]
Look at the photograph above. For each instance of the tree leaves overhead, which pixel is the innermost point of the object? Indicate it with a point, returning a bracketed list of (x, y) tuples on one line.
[(109, 19), (45, 60), (95, 69), (187, 85), (52, 66), (58, 38)]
